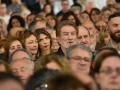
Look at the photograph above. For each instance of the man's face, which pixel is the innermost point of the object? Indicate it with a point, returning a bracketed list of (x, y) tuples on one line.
[(109, 74), (68, 36), (22, 69), (3, 8), (30, 19), (114, 29), (83, 36), (65, 5), (90, 26), (40, 24), (80, 62)]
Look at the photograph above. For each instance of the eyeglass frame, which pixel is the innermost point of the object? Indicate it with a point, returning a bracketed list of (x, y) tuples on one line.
[(84, 58), (109, 71)]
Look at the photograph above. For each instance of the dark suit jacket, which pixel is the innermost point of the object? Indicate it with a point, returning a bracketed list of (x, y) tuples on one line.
[(37, 9), (59, 52)]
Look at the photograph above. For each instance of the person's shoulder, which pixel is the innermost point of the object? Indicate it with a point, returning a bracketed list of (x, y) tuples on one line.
[(108, 45)]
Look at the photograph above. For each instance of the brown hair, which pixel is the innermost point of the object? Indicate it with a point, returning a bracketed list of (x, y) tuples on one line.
[(43, 31), (103, 10), (61, 61), (7, 47), (23, 35), (65, 23), (2, 42), (6, 65), (100, 60)]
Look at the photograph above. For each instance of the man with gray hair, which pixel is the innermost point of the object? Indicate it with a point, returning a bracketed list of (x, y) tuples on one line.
[(80, 58), (21, 64), (37, 24)]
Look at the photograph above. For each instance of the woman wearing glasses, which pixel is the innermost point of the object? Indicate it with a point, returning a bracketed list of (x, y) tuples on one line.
[(107, 71)]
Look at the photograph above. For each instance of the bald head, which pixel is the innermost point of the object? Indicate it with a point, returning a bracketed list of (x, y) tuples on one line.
[(83, 36), (14, 30), (89, 25)]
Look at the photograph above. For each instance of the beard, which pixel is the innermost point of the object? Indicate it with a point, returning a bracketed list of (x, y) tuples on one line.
[(114, 37)]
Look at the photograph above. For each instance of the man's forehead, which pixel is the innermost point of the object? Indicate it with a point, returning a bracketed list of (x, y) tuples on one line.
[(82, 30), (115, 19), (67, 28), (21, 53)]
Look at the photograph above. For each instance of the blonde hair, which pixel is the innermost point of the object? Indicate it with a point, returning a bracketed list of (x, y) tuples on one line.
[(61, 61)]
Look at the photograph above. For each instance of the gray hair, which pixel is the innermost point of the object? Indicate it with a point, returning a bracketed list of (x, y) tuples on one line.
[(79, 46), (26, 60), (32, 25), (24, 50)]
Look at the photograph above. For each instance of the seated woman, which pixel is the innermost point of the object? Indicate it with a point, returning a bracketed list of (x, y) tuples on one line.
[(11, 45), (104, 38), (16, 21), (53, 62), (30, 42), (52, 20), (44, 41), (72, 17)]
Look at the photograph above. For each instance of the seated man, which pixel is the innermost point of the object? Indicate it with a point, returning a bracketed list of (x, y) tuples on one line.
[(21, 64), (79, 57)]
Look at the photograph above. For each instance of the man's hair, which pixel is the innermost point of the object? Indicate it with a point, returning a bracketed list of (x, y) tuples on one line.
[(79, 46), (24, 50), (116, 14), (65, 23), (39, 78), (32, 25)]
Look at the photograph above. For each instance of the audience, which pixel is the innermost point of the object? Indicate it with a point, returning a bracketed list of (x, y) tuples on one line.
[(78, 41)]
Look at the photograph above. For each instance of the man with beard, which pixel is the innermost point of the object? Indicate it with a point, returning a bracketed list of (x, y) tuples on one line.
[(66, 33), (114, 31)]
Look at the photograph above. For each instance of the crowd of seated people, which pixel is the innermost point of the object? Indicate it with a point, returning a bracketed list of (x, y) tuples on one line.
[(59, 45)]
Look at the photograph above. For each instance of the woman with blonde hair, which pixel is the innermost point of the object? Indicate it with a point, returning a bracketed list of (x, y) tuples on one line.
[(105, 13), (53, 62), (30, 42), (104, 38)]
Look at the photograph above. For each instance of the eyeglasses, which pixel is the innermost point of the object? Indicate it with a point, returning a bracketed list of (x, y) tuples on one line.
[(79, 59), (109, 71), (106, 15)]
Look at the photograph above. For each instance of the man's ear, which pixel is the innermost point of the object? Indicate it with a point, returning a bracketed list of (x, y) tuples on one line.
[(58, 39), (107, 29)]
